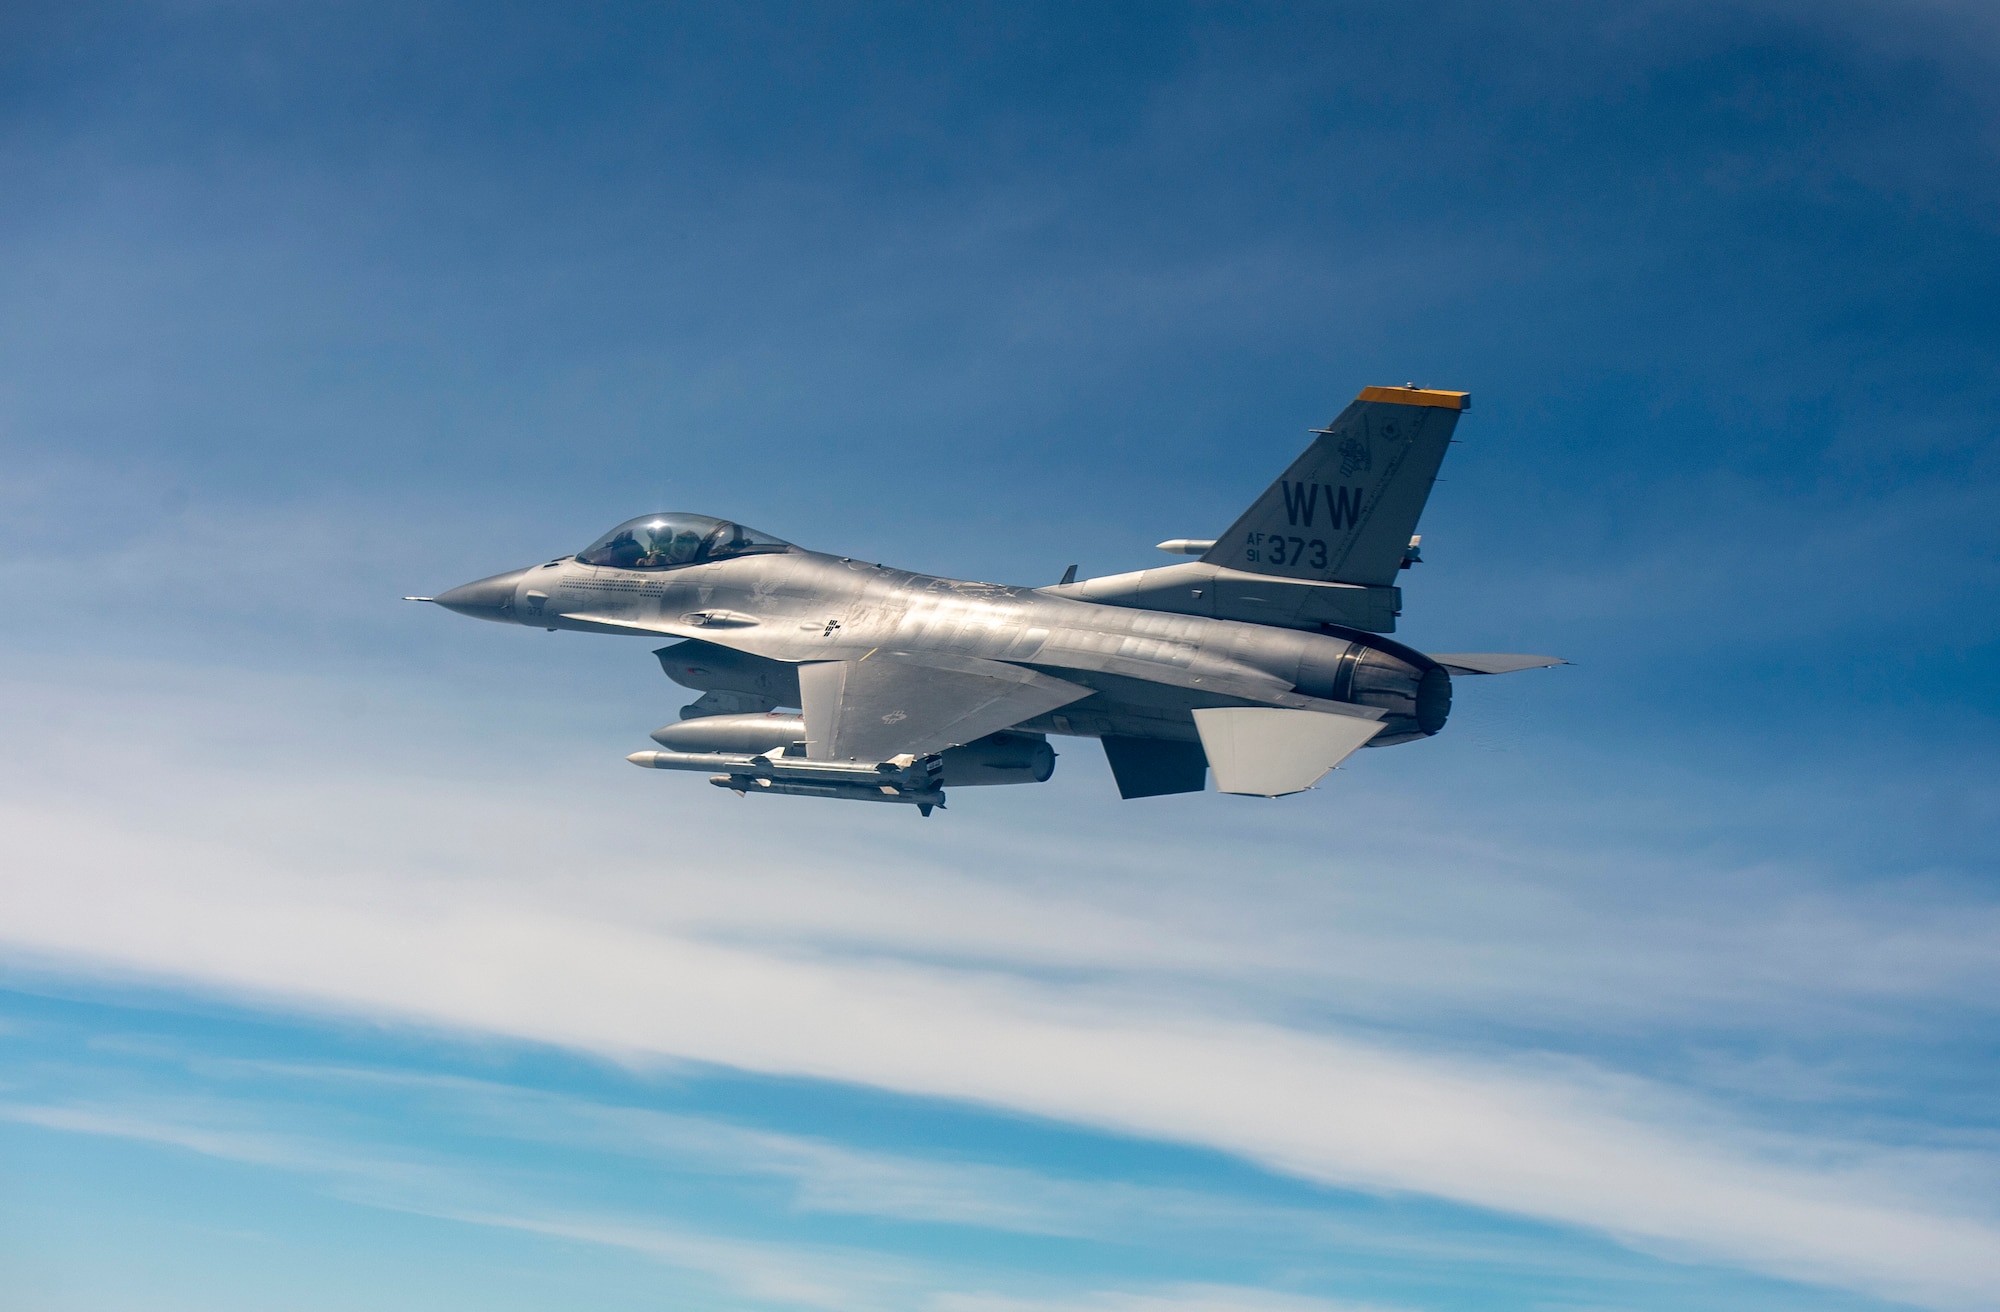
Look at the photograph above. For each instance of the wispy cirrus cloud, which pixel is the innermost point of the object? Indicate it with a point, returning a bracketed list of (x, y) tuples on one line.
[(795, 1276), (552, 960), (1182, 1298), (788, 1274), (823, 1175)]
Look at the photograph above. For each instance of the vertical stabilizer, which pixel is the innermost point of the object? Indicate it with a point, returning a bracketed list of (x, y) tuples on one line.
[(1346, 509)]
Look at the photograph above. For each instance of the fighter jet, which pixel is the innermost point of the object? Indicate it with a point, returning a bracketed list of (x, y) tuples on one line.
[(1264, 662)]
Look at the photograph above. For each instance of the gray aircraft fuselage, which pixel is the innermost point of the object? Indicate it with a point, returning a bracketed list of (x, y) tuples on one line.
[(760, 616)]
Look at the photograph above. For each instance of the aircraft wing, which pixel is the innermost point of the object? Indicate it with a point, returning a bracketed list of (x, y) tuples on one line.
[(1493, 662), (889, 703)]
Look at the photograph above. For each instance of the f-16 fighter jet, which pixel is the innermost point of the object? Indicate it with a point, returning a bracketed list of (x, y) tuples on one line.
[(1265, 661)]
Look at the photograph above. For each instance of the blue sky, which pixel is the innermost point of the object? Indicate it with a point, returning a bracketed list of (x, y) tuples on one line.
[(344, 962)]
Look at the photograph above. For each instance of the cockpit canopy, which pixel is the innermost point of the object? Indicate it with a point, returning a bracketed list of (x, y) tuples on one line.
[(661, 541)]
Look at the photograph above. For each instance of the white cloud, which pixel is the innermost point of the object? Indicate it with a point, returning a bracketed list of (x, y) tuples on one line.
[(793, 1275), (1430, 921), (213, 1141), (550, 962), (798, 1276), (1174, 1298), (824, 1176), (1190, 975)]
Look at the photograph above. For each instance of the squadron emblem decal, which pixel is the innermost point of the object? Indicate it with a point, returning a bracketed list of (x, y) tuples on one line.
[(1355, 457)]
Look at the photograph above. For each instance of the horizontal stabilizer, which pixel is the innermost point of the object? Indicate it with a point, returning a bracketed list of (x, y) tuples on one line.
[(1198, 588), (1493, 662), (888, 704), (1268, 751)]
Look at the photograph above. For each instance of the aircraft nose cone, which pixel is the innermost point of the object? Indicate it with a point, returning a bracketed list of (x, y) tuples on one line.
[(484, 599)]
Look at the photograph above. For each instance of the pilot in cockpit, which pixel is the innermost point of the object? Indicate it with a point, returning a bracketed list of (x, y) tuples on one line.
[(685, 547), (662, 541), (621, 551)]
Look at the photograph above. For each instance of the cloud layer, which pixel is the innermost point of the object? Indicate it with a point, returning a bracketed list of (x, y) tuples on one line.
[(681, 969)]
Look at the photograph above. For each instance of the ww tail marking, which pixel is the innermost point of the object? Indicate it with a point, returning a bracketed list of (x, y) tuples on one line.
[(1343, 504)]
